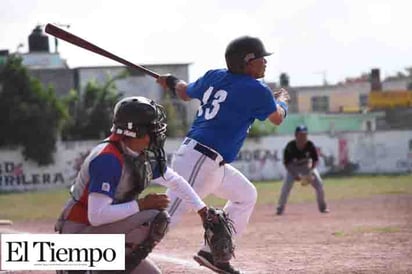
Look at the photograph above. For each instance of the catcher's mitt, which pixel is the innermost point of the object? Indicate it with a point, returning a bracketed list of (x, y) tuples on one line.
[(218, 234)]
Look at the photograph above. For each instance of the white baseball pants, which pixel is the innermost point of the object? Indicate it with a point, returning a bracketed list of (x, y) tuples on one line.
[(207, 176)]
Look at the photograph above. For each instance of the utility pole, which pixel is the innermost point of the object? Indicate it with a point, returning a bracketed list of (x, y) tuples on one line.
[(56, 41), (323, 73)]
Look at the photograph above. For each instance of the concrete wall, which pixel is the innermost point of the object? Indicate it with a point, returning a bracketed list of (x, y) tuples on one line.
[(330, 123), (350, 153), (62, 80), (259, 159)]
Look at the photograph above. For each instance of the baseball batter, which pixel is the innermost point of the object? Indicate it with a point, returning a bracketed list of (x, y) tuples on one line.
[(103, 196), (230, 100), (300, 158)]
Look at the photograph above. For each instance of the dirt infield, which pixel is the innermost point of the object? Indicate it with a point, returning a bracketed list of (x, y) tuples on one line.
[(359, 236)]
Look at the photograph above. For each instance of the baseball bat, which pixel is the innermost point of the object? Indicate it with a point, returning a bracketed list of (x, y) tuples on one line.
[(75, 40)]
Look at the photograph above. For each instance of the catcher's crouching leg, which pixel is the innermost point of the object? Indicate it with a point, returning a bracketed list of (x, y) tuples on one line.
[(158, 229)]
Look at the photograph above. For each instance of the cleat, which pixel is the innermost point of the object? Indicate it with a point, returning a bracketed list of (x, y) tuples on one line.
[(205, 259)]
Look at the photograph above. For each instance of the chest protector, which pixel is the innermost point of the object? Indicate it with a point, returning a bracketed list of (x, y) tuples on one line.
[(140, 169)]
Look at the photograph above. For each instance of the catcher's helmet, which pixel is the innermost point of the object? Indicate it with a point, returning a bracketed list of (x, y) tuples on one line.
[(136, 116), (243, 50)]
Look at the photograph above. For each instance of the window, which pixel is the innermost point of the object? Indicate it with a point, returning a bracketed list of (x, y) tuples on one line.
[(320, 103), (363, 100)]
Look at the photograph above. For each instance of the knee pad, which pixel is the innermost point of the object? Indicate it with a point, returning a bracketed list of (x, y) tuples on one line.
[(158, 228)]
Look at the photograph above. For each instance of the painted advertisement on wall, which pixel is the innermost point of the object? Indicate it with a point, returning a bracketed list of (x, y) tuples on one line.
[(17, 174), (259, 159), (262, 159)]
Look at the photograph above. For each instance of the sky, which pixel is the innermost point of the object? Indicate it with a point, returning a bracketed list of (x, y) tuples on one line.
[(311, 40)]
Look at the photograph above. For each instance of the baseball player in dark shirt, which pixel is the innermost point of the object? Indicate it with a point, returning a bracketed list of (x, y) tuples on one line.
[(300, 158)]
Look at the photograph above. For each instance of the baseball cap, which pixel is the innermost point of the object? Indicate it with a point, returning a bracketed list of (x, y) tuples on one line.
[(301, 128)]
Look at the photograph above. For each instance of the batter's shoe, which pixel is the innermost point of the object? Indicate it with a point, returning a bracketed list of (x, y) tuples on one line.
[(205, 259)]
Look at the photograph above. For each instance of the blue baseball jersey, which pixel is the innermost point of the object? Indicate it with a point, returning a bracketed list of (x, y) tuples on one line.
[(229, 104)]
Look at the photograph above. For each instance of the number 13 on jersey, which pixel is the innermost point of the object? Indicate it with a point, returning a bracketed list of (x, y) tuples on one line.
[(214, 101)]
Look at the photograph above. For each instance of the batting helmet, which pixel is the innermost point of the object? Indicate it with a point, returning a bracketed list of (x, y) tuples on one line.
[(136, 116), (243, 50)]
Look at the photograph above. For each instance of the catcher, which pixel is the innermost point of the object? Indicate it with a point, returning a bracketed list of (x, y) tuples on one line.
[(104, 197), (300, 158)]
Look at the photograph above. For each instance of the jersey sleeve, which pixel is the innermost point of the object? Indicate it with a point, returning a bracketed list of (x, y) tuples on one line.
[(105, 172), (173, 181), (197, 88), (265, 104), (101, 211)]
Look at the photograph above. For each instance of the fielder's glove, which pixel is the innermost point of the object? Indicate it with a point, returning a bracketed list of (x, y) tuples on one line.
[(306, 179), (218, 234)]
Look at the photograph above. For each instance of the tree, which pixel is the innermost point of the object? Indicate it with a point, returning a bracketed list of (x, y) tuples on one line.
[(91, 113), (175, 116), (261, 129), (30, 115)]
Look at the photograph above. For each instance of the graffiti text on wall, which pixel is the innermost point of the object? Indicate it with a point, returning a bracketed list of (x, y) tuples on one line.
[(12, 174)]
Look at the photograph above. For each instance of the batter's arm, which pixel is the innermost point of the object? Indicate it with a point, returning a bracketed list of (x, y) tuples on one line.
[(281, 99), (277, 116), (181, 90), (177, 86)]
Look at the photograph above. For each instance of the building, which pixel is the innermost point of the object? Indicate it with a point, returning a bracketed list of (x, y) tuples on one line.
[(361, 104), (51, 70), (350, 96)]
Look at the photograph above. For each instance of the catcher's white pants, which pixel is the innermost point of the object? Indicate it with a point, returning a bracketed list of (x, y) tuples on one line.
[(208, 176)]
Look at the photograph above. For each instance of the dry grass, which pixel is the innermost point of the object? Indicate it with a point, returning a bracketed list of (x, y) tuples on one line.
[(46, 205)]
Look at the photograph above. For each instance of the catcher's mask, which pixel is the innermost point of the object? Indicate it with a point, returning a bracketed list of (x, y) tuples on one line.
[(137, 116), (243, 50)]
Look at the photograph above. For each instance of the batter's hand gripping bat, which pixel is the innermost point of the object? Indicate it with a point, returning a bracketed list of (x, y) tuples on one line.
[(75, 40)]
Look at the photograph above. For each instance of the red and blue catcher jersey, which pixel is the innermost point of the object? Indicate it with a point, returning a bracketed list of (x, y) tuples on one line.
[(229, 104), (103, 171)]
